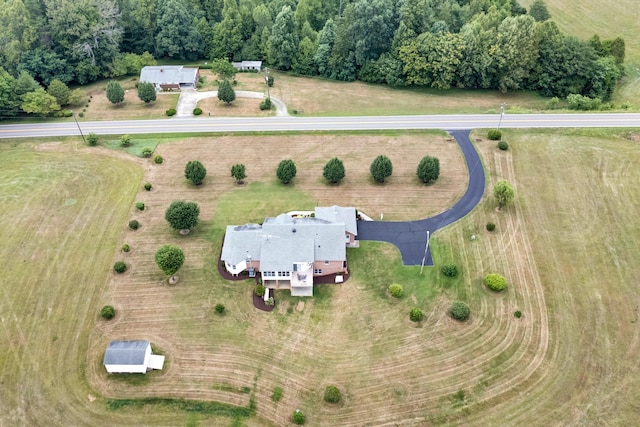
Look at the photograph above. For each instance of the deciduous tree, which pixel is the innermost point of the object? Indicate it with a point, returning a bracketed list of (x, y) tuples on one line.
[(170, 259), (503, 193), (238, 172), (334, 170), (115, 93), (195, 172), (39, 102), (286, 171), (381, 168), (182, 215), (59, 91), (146, 92), (177, 38)]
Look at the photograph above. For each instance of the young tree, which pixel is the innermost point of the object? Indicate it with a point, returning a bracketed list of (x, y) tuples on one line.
[(169, 258), (334, 170), (182, 215), (226, 92), (428, 169), (381, 168), (59, 91), (238, 172), (39, 102), (195, 172), (286, 171), (146, 92), (503, 192), (223, 68), (115, 93)]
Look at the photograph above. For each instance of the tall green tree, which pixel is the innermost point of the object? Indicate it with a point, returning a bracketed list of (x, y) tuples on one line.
[(432, 60), (25, 84), (146, 92), (334, 170), (223, 68), (170, 259), (226, 92), (283, 43), (115, 93), (428, 169), (46, 65), (286, 171), (303, 62), (381, 168), (195, 172), (39, 102), (59, 91), (323, 52), (177, 38), (238, 172), (228, 33), (538, 10), (18, 33), (503, 193), (9, 101), (372, 25)]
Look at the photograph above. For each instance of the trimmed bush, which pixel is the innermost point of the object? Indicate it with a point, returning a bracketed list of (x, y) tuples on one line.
[(518, 314), (491, 226), (332, 394), (171, 112), (148, 186), (396, 290), (81, 114), (416, 314), (147, 152), (495, 282), (197, 111), (134, 224), (158, 159), (277, 394), (93, 139), (298, 417), (195, 172), (120, 267), (449, 270), (459, 311), (140, 206), (494, 135), (266, 104), (260, 290), (220, 308), (126, 248), (107, 312), (503, 145), (125, 140), (270, 301)]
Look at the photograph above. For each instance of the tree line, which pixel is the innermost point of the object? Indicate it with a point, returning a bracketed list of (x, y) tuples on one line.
[(488, 44)]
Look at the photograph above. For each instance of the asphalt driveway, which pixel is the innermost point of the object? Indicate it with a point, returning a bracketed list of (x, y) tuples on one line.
[(411, 236)]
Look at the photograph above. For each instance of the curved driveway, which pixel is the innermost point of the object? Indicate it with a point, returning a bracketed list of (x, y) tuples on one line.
[(411, 236)]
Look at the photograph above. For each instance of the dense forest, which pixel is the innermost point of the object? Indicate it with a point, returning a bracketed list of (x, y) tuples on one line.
[(489, 44)]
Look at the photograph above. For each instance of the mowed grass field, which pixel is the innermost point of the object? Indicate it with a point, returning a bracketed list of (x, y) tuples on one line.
[(566, 246)]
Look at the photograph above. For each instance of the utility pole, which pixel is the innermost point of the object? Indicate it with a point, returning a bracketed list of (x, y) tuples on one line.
[(501, 114), (266, 80), (78, 124), (426, 249)]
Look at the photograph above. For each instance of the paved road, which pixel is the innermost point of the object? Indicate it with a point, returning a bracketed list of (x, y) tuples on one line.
[(253, 124), (411, 237)]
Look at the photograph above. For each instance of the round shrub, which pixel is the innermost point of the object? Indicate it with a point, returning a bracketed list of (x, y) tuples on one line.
[(120, 267), (495, 282), (126, 248), (491, 226), (134, 224), (298, 417), (158, 159), (449, 270), (147, 152), (171, 112), (92, 139), (332, 394), (260, 290), (270, 301), (148, 186), (81, 114), (220, 308), (140, 206), (503, 145), (459, 311), (494, 135), (108, 312), (125, 140), (518, 314), (396, 290), (416, 314), (197, 111), (266, 104)]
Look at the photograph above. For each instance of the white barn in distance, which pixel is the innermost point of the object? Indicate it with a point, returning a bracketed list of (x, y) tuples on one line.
[(131, 357)]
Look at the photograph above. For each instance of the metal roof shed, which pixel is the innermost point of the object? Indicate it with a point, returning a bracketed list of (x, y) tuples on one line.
[(131, 357)]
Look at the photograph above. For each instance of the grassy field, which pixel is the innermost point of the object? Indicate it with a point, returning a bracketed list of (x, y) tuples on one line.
[(566, 247)]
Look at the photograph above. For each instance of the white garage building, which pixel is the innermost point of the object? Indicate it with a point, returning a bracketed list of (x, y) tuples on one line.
[(131, 357)]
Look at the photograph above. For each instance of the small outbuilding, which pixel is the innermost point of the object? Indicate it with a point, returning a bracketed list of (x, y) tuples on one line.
[(255, 66), (131, 357)]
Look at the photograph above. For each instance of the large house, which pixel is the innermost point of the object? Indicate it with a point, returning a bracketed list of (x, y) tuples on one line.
[(288, 251), (131, 357), (170, 77)]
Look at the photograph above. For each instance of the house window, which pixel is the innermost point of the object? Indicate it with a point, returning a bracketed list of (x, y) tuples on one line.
[(317, 271), (268, 273), (326, 262), (284, 273)]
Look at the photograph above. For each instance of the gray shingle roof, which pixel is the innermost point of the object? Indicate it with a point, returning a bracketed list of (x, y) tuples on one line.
[(126, 352), (339, 214), (168, 74), (241, 241), (279, 254)]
